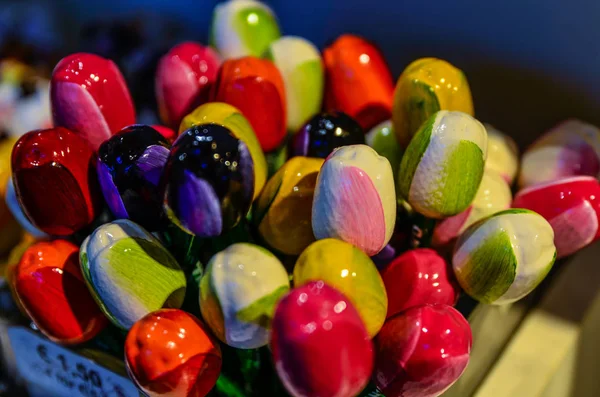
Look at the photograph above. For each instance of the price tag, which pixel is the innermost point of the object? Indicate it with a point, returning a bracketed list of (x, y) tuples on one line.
[(60, 372)]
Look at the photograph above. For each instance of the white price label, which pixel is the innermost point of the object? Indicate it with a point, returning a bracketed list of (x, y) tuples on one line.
[(60, 372)]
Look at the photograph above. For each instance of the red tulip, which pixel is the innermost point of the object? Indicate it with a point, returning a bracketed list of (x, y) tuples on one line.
[(50, 287), (358, 81), (89, 96), (169, 134), (255, 87), (421, 352), (55, 180), (183, 80), (418, 277)]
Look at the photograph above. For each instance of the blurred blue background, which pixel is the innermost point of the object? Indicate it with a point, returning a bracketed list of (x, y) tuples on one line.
[(530, 63)]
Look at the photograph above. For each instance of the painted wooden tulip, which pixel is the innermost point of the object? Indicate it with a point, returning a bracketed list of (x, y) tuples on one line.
[(301, 67), (351, 272), (571, 148), (493, 195), (256, 88), (169, 134), (171, 353), (418, 277), (230, 117), (129, 273), (427, 86), (10, 228), (442, 167), (421, 351), (383, 139), (319, 343), (325, 132), (89, 96), (355, 199), (50, 287), (15, 208), (238, 294), (284, 209), (183, 79), (55, 180), (130, 166), (571, 206), (358, 81), (241, 28), (209, 181), (502, 154), (502, 258)]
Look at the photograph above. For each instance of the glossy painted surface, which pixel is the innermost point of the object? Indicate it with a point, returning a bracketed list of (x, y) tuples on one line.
[(418, 277), (349, 270), (89, 96), (243, 27), (442, 167), (171, 353), (357, 80), (130, 166), (320, 345), (10, 229), (502, 258), (15, 208), (492, 196), (325, 132), (183, 80), (239, 291), (301, 67), (355, 199), (283, 211), (383, 139), (427, 86), (571, 206), (502, 154), (256, 88), (169, 134), (129, 273), (230, 117), (50, 287), (209, 181), (422, 351), (569, 149), (55, 180)]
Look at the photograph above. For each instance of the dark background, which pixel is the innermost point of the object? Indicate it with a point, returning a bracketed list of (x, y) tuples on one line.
[(530, 63)]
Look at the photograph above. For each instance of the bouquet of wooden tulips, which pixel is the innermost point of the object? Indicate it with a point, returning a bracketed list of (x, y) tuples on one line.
[(297, 226)]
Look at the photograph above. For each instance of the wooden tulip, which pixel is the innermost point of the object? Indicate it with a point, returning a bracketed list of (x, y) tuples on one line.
[(350, 271), (383, 140), (358, 81), (571, 148), (502, 154), (238, 294), (129, 273), (256, 88), (241, 28), (355, 199), (493, 195), (502, 258), (301, 67), (418, 277), (571, 206), (324, 133), (169, 134), (50, 287), (17, 212), (170, 353), (10, 228), (230, 117), (55, 180), (130, 166), (320, 345), (89, 96), (442, 167), (209, 181), (421, 351), (183, 80), (427, 86), (283, 211)]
